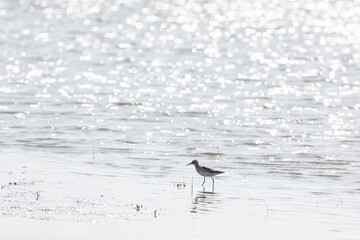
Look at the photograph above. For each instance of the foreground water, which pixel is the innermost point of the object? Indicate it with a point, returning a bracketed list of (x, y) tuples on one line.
[(103, 103)]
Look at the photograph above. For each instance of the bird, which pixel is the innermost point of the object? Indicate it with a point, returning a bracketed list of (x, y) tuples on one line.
[(205, 171)]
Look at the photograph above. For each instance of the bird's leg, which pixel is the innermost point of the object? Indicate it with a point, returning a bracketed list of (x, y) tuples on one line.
[(213, 183), (203, 182)]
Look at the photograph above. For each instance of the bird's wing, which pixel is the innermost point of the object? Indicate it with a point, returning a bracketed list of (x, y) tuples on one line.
[(212, 170)]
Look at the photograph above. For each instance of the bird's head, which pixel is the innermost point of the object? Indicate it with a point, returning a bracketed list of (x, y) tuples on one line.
[(194, 162)]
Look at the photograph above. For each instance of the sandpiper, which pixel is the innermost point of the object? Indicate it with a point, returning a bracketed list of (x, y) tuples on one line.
[(205, 171)]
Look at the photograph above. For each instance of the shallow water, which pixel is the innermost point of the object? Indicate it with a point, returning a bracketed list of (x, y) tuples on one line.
[(104, 103)]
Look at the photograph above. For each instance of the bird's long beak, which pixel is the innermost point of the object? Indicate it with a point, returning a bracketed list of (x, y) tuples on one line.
[(188, 164)]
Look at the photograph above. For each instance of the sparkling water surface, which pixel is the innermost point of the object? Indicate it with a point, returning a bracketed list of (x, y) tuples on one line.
[(103, 103)]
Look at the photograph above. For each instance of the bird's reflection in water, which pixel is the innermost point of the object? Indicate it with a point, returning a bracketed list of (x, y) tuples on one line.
[(205, 201)]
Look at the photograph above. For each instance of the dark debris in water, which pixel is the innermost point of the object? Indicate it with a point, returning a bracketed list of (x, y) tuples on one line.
[(15, 184), (38, 201), (138, 207), (38, 205), (180, 185)]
